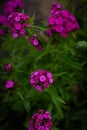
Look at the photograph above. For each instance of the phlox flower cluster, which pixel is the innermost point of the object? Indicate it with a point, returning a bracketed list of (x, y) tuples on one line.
[(17, 23), (12, 6), (41, 79), (9, 84), (35, 42), (3, 22), (61, 21), (41, 120)]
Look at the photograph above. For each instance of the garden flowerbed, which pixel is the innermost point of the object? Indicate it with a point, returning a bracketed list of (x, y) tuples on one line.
[(42, 69)]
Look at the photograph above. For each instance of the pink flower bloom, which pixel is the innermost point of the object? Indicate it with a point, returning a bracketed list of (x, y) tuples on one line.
[(49, 75), (9, 84), (7, 66), (51, 81), (17, 24), (39, 47), (15, 35), (49, 32), (17, 19), (22, 31), (41, 120), (62, 21), (38, 88), (34, 40), (12, 6), (41, 79)]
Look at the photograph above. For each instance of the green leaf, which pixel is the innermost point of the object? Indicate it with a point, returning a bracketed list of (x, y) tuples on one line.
[(54, 128), (20, 95), (82, 45), (27, 105)]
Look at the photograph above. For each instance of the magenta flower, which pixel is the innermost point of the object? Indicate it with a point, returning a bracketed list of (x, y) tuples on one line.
[(41, 79), (35, 42), (9, 84), (41, 120), (7, 67), (12, 6), (3, 20), (62, 21), (15, 35), (22, 32), (49, 32), (17, 24)]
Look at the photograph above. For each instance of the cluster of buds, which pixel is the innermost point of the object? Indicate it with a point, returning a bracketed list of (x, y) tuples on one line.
[(17, 24), (61, 21), (7, 67), (41, 79), (35, 42), (41, 120)]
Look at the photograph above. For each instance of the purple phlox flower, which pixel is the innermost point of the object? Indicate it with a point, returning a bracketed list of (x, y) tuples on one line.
[(41, 120), (17, 24), (41, 79), (9, 84), (38, 88), (12, 6), (7, 67), (15, 35), (62, 21), (19, 3), (3, 20), (49, 32), (39, 47), (24, 17), (17, 19), (55, 7), (34, 40), (22, 31)]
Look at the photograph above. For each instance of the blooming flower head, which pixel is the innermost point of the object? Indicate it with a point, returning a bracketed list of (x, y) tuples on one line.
[(41, 79), (17, 24), (9, 84), (12, 6), (7, 67), (35, 42), (41, 120), (62, 21)]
